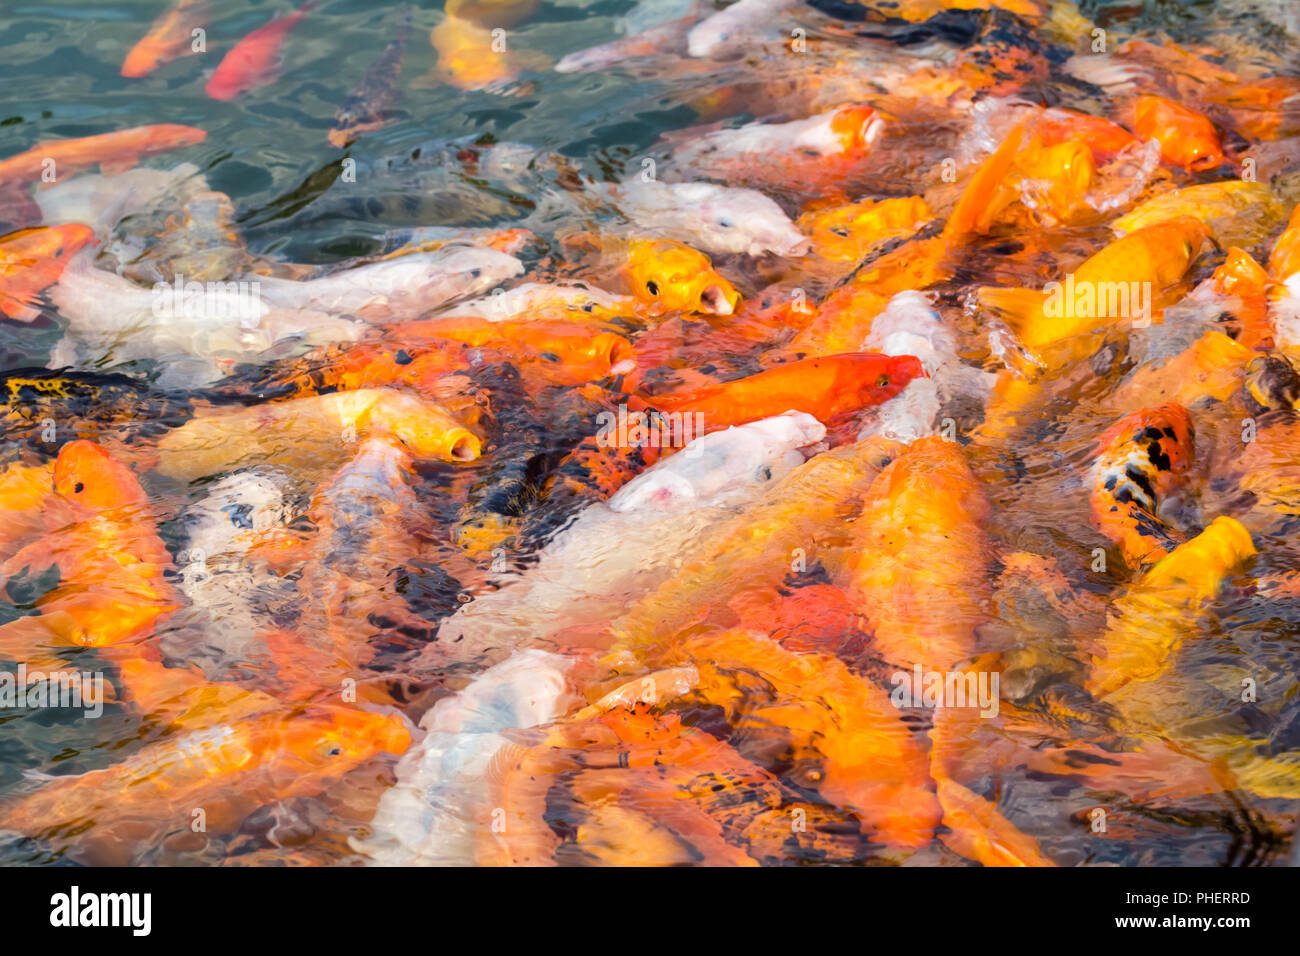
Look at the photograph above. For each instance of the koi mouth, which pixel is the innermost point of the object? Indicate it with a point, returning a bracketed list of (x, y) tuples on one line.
[(465, 448), (714, 299)]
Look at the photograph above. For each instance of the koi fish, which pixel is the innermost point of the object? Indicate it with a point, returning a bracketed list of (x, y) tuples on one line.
[(440, 799), (112, 152), (471, 57), (1157, 255), (167, 38), (111, 561), (398, 288), (575, 353), (717, 219), (670, 275), (201, 330), (368, 522), (227, 770), (310, 431), (849, 232), (31, 261), (1144, 458), (254, 60), (1236, 212), (1163, 607), (814, 153), (572, 302), (826, 388), (370, 106), (1186, 137), (920, 532), (587, 571)]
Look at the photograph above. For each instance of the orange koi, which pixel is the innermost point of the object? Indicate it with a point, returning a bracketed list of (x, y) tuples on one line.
[(1158, 255), (32, 260), (670, 275), (577, 353), (168, 37), (312, 430), (849, 232), (227, 770), (826, 388), (254, 60), (1163, 607), (1187, 138), (110, 559), (112, 152), (1284, 259)]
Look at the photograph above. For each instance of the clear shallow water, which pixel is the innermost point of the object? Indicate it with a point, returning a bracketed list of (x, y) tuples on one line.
[(60, 79)]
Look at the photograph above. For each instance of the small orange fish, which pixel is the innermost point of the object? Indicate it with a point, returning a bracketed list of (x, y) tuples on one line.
[(576, 353), (1186, 137), (670, 275), (112, 152), (848, 232), (254, 60), (168, 38), (826, 388), (32, 260)]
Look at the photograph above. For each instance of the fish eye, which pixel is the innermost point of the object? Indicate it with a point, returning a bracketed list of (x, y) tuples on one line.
[(652, 287), (79, 487), (882, 381), (765, 473), (333, 750), (725, 223)]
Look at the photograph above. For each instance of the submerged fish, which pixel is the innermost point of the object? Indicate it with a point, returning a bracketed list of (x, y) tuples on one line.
[(167, 38), (226, 771), (714, 218), (370, 106), (255, 60), (112, 152), (589, 570)]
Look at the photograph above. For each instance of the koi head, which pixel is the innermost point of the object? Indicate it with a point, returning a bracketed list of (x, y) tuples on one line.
[(887, 375), (855, 128), (1240, 275), (675, 276), (1186, 137), (88, 475), (1149, 450), (330, 740)]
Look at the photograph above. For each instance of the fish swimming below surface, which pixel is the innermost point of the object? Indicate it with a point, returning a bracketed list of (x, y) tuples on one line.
[(661, 432)]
